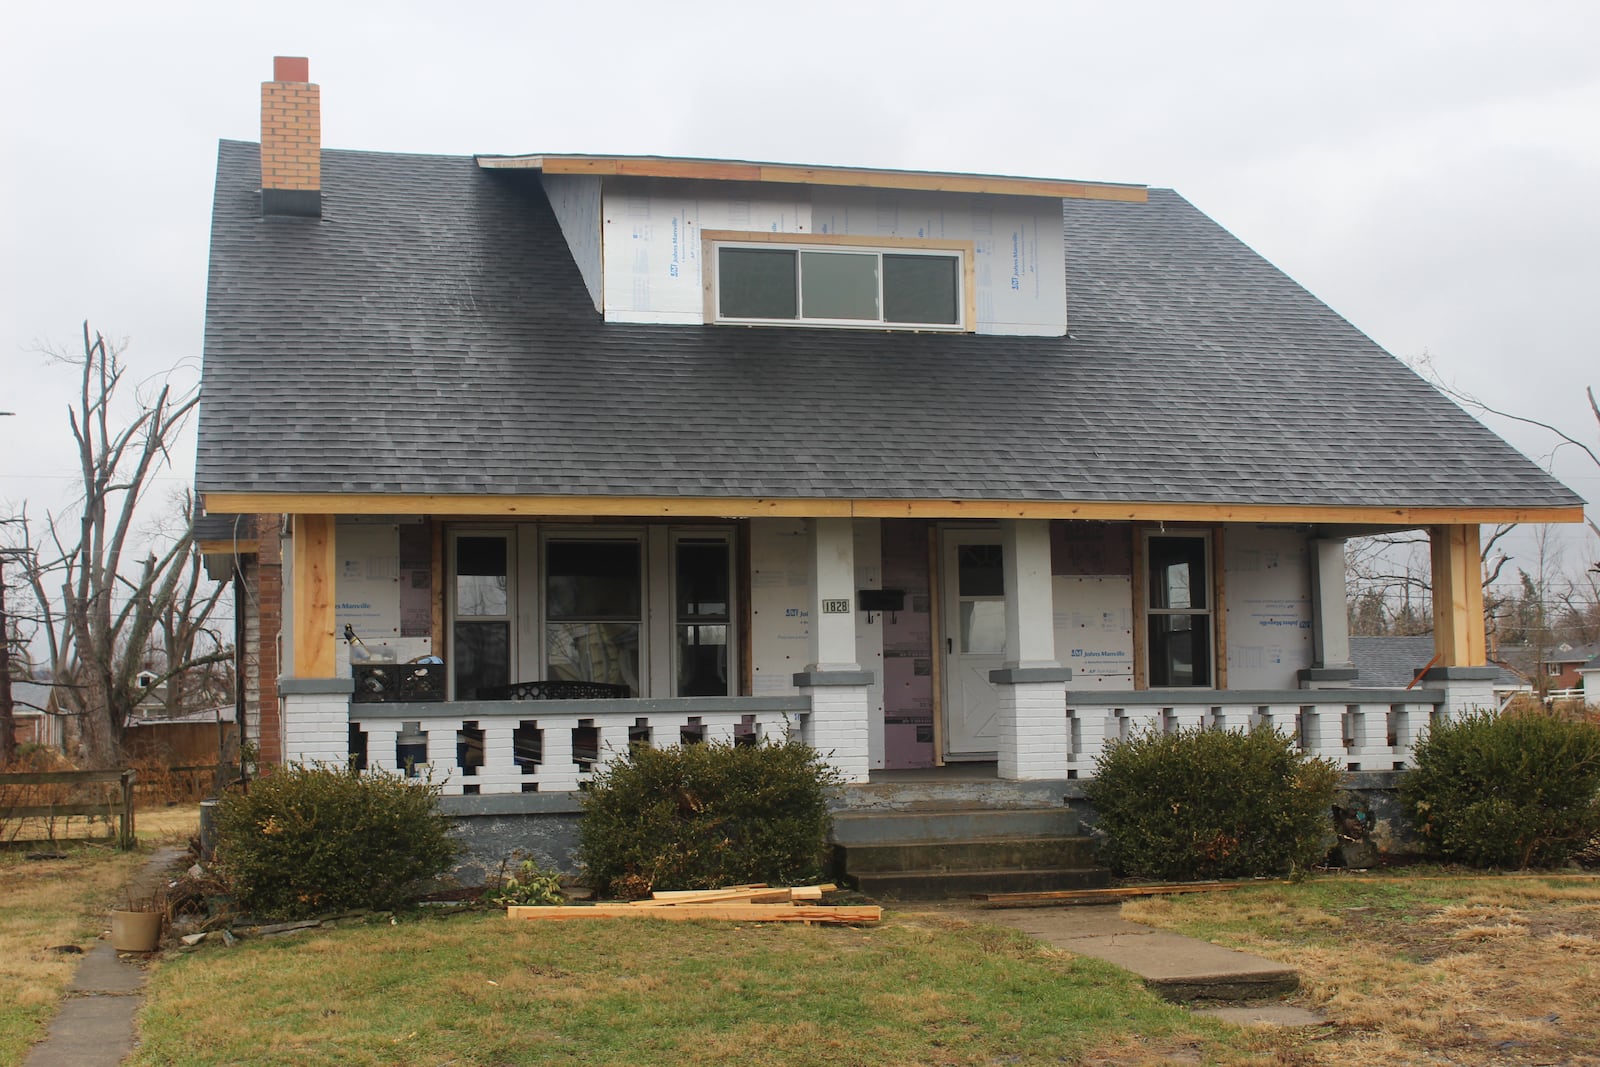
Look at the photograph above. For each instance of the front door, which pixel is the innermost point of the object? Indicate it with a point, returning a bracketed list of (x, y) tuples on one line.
[(973, 575)]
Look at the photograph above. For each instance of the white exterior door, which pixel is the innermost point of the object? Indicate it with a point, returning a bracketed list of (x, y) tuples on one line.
[(973, 575)]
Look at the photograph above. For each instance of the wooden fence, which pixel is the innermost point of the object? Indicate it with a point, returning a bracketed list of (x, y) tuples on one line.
[(117, 802)]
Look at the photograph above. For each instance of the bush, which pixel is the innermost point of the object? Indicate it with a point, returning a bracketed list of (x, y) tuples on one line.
[(1206, 803), (707, 815), (309, 840), (527, 884), (1519, 789)]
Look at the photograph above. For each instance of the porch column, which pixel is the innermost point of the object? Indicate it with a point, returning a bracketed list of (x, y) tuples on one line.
[(1033, 736), (316, 703), (1457, 596), (1331, 667), (838, 687)]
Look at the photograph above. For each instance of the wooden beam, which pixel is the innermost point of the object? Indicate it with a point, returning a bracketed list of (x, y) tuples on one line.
[(1106, 896), (525, 506), (800, 174), (760, 913), (1458, 632), (248, 546), (314, 570)]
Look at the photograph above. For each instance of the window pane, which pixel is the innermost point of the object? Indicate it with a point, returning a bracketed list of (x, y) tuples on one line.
[(1180, 650), (983, 626), (481, 576), (593, 652), (920, 289), (982, 570), (702, 661), (838, 285), (592, 580), (702, 580), (756, 283), (1178, 572), (482, 654)]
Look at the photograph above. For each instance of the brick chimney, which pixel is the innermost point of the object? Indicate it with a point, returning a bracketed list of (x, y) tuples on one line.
[(291, 141)]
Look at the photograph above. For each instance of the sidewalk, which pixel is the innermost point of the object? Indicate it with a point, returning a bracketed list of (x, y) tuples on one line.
[(1173, 966), (94, 1027)]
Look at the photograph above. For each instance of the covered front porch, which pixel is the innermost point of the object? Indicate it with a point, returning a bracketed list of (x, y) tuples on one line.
[(889, 638)]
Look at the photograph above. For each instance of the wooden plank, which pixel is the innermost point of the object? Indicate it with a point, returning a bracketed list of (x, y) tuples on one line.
[(60, 777), (244, 547), (801, 174), (314, 569), (1458, 631), (1219, 610), (733, 894), (1141, 618), (106, 809), (523, 506), (765, 913), (1107, 896)]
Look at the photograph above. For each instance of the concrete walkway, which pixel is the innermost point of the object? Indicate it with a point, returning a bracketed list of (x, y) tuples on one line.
[(1173, 966), (94, 1027)]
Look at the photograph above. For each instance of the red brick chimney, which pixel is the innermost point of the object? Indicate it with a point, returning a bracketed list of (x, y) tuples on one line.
[(291, 140)]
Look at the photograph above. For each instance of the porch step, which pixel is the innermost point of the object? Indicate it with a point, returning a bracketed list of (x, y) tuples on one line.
[(981, 854), (951, 824), (931, 852), (943, 884)]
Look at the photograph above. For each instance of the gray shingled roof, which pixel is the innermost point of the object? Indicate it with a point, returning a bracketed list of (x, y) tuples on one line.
[(1391, 662), (431, 334)]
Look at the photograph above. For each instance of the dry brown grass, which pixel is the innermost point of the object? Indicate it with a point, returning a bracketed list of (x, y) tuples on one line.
[(1480, 971), (57, 902)]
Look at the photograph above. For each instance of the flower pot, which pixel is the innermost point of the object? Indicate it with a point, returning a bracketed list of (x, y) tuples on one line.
[(135, 931)]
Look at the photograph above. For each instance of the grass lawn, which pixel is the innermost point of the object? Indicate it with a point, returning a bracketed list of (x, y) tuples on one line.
[(45, 903), (1421, 970), (482, 989), (1410, 970)]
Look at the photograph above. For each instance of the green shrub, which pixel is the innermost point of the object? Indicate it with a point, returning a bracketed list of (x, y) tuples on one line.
[(1514, 790), (1207, 803), (309, 840), (528, 884), (707, 815)]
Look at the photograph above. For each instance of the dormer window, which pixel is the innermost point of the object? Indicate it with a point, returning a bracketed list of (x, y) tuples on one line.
[(795, 279)]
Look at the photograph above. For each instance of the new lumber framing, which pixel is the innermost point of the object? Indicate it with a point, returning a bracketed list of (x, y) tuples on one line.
[(760, 913)]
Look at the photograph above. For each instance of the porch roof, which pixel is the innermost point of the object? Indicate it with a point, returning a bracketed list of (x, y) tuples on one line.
[(432, 335)]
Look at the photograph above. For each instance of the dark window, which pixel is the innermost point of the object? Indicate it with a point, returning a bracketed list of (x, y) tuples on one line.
[(1178, 612)]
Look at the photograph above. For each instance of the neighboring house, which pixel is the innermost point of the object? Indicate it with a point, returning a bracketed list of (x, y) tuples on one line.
[(1397, 662), (938, 469), (1551, 668), (32, 724)]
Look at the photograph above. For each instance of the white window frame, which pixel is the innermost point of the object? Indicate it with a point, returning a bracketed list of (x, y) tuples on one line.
[(675, 536), (509, 534), (1209, 611), (527, 546), (962, 252)]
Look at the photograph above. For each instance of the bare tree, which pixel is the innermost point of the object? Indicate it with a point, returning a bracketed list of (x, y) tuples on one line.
[(1389, 587), (99, 607)]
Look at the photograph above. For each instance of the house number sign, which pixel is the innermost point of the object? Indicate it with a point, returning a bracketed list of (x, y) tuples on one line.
[(836, 607)]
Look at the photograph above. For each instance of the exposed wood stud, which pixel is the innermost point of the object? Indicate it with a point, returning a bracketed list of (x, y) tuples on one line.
[(529, 507), (314, 570)]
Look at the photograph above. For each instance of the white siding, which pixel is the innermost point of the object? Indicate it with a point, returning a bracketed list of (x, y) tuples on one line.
[(1267, 585), (575, 198), (652, 245)]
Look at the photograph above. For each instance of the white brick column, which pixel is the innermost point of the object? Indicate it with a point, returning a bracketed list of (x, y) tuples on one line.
[(1032, 738), (840, 690), (1466, 689), (316, 719)]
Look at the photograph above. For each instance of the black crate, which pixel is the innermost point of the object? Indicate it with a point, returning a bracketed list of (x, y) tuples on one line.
[(387, 683)]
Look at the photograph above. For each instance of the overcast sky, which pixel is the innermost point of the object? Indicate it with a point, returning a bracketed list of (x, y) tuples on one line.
[(1429, 170)]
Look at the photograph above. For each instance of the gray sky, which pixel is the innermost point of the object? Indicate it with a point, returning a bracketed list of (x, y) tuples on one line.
[(1428, 169)]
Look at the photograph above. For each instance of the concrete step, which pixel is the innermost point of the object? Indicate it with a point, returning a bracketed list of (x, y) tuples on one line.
[(946, 885), (971, 855), (952, 824)]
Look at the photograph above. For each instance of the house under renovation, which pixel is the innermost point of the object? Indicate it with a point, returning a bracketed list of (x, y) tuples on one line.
[(520, 459)]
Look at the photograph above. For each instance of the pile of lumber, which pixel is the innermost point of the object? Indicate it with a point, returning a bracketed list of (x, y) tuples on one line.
[(740, 903)]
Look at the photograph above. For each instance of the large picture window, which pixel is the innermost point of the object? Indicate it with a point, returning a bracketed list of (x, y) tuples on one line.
[(1178, 611), (839, 286), (648, 608)]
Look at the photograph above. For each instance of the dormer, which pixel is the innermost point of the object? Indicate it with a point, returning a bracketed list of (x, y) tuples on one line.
[(697, 241)]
